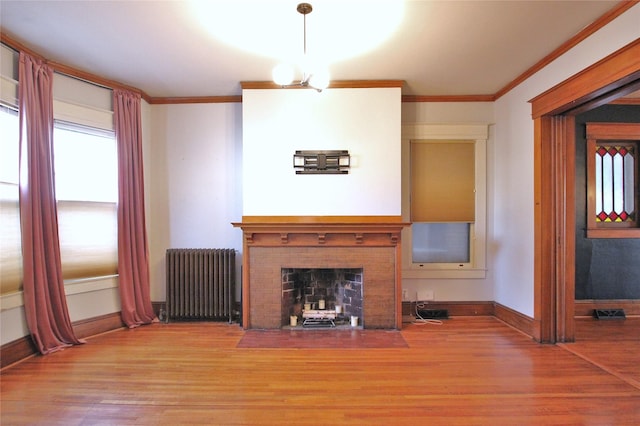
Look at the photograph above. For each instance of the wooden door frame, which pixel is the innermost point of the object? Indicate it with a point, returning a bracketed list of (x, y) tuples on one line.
[(553, 113)]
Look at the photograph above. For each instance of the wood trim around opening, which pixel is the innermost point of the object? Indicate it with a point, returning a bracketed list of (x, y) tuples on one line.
[(553, 240), (545, 254), (616, 70)]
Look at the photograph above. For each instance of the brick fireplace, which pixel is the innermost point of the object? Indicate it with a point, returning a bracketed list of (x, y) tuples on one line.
[(272, 244)]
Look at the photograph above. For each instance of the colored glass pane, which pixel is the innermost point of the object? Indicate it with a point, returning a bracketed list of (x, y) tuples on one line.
[(614, 177)]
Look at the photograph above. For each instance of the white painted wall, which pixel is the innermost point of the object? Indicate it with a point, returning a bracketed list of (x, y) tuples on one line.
[(13, 324), (195, 178), (366, 122), (447, 112), (513, 160), (85, 299)]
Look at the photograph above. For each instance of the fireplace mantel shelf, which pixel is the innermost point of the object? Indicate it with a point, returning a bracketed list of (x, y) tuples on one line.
[(322, 230)]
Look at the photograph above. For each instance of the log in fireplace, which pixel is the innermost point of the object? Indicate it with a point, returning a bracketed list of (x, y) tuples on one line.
[(272, 244)]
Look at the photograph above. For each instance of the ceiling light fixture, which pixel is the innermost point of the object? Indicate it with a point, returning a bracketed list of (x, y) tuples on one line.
[(312, 76)]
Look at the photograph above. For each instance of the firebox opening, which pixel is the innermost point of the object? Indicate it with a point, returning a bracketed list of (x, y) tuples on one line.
[(333, 297)]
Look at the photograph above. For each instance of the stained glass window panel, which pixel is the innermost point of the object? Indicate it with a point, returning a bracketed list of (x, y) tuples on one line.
[(615, 177), (629, 177)]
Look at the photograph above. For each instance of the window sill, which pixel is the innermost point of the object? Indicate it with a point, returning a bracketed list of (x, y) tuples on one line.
[(444, 273), (614, 233), (87, 285), (71, 287)]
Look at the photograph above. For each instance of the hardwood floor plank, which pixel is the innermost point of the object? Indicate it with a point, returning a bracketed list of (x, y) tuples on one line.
[(613, 345), (325, 338), (469, 370)]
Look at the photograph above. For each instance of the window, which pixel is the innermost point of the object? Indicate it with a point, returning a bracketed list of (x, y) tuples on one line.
[(10, 238), (612, 180), (444, 199), (441, 242), (86, 178)]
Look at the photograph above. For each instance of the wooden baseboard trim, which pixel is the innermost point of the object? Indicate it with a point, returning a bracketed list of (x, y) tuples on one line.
[(456, 309), (23, 348), (98, 325), (514, 319), (15, 351), (584, 308), (507, 315)]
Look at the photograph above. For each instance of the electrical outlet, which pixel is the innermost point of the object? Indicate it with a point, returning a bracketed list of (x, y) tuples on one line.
[(425, 295), (408, 295)]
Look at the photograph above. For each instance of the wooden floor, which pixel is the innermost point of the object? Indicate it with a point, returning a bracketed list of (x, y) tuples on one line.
[(470, 370)]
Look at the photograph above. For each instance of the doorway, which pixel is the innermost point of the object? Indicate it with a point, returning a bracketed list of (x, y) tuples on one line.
[(554, 114)]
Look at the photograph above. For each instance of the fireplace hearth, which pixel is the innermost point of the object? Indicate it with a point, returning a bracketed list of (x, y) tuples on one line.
[(366, 247)]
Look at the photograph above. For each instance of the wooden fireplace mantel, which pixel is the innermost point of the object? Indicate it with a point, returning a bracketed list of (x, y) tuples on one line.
[(320, 234), (321, 230)]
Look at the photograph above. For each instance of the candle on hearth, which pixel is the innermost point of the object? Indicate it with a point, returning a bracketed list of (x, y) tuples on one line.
[(321, 304)]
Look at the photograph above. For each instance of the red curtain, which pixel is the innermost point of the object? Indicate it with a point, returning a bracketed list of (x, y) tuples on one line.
[(133, 252), (44, 299)]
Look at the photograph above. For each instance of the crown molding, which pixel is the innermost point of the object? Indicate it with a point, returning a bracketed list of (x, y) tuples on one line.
[(338, 84), (194, 100), (448, 98)]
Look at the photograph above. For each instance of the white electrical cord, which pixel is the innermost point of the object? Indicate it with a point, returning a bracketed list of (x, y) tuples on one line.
[(422, 321)]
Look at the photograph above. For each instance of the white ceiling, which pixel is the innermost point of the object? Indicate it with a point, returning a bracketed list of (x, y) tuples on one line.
[(162, 48)]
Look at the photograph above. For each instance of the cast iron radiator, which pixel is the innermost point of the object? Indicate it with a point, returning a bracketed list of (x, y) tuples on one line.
[(200, 284)]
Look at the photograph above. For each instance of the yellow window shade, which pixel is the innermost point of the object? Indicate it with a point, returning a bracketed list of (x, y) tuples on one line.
[(442, 181)]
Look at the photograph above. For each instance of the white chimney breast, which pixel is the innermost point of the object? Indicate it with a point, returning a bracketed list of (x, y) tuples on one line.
[(277, 122)]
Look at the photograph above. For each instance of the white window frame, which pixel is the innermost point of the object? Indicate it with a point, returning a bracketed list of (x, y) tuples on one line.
[(476, 268), (84, 104)]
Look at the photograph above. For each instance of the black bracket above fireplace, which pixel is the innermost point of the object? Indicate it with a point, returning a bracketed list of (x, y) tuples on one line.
[(321, 162)]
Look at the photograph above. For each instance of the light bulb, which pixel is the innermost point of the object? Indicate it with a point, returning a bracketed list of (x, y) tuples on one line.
[(282, 74), (320, 79)]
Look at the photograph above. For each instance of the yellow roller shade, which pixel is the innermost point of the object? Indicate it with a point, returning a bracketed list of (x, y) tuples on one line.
[(442, 181)]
